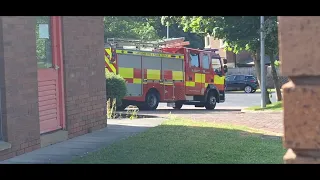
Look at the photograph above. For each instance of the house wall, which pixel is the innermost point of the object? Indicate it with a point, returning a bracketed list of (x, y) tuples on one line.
[(84, 77), (19, 89), (85, 84), (299, 41)]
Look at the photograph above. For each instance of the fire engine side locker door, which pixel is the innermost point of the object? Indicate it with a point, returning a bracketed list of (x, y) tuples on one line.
[(173, 78), (129, 67), (151, 75)]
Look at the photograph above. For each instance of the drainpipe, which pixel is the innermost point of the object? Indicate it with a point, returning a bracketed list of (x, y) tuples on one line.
[(1, 131)]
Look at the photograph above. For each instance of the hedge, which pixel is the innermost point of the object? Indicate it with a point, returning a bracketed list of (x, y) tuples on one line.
[(116, 87)]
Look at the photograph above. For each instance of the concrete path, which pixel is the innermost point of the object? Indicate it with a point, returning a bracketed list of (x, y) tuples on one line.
[(79, 146)]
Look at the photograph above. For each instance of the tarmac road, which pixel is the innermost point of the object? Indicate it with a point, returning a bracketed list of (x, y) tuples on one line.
[(234, 101)]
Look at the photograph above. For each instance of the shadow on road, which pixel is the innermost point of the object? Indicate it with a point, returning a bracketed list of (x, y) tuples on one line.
[(186, 111), (237, 92)]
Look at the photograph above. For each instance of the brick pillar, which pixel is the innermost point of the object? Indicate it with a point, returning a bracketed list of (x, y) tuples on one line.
[(19, 85), (85, 82), (299, 43)]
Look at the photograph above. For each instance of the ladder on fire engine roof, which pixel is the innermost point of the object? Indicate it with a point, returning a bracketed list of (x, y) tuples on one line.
[(143, 44)]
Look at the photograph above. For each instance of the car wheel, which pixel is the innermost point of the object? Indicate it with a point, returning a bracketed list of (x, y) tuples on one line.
[(247, 89), (211, 101)]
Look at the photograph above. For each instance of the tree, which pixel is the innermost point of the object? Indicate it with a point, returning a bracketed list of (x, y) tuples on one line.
[(238, 32), (272, 49)]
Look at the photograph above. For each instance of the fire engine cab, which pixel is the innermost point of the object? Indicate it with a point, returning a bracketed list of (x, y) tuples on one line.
[(168, 72)]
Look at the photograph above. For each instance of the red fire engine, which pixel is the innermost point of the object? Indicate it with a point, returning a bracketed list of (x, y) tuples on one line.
[(168, 72)]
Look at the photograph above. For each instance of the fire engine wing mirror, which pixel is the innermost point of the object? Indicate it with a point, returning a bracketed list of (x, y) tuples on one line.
[(225, 68), (225, 61)]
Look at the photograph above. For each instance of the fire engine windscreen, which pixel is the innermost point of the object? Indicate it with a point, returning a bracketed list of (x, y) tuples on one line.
[(216, 65)]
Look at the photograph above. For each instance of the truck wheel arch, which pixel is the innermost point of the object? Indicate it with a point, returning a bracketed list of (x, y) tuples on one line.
[(210, 88), (155, 91)]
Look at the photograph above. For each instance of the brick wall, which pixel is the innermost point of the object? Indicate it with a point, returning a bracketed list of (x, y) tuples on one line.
[(18, 83), (85, 87), (299, 41)]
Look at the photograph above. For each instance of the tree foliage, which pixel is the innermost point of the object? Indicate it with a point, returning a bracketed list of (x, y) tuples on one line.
[(148, 28)]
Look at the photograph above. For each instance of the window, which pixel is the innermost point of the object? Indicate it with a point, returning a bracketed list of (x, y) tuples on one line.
[(205, 61), (250, 78), (240, 78), (216, 65), (194, 59), (43, 42), (230, 78)]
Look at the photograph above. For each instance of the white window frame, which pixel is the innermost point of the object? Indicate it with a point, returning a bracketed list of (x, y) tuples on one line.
[(207, 41)]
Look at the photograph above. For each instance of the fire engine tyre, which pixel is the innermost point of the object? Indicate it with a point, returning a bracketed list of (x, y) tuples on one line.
[(152, 101), (248, 89), (211, 101)]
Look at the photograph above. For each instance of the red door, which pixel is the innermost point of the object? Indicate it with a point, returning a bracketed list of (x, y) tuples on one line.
[(207, 74), (193, 73), (50, 77)]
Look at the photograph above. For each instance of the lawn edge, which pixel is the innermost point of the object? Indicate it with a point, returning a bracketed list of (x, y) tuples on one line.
[(245, 110), (223, 125)]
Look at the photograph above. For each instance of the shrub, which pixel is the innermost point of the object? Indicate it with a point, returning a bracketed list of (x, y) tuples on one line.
[(116, 87)]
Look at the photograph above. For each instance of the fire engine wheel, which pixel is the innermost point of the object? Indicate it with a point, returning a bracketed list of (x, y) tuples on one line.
[(211, 101), (152, 101)]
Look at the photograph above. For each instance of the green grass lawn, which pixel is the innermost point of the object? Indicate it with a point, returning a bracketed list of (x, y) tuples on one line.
[(183, 141), (277, 106), (270, 90)]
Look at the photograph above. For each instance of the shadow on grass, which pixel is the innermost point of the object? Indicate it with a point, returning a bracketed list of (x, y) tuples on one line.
[(188, 142), (277, 106)]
